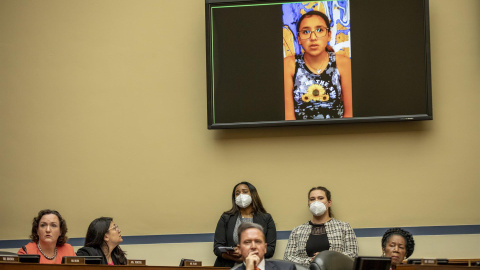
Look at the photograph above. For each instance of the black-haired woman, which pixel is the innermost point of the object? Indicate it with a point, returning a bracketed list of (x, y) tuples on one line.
[(322, 232), (103, 239), (246, 207), (317, 83), (398, 244), (49, 237)]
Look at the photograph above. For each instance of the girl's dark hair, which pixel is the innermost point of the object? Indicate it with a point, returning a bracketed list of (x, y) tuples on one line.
[(409, 242), (327, 193), (257, 205), (328, 48), (95, 237), (62, 239)]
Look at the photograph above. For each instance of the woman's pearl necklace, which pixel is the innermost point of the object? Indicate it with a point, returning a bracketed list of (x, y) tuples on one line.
[(48, 258)]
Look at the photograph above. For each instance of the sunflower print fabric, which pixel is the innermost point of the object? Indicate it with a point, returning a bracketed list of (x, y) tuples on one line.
[(317, 96)]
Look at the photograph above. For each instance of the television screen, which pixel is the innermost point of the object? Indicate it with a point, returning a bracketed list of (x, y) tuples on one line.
[(277, 63)]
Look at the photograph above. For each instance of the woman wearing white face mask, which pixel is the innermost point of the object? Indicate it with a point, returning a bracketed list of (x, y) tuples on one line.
[(321, 233), (246, 207)]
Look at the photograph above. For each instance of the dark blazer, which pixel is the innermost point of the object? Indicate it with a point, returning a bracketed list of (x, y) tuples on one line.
[(224, 236), (93, 251), (274, 265)]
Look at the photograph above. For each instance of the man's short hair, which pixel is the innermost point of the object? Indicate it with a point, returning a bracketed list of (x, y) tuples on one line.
[(248, 225)]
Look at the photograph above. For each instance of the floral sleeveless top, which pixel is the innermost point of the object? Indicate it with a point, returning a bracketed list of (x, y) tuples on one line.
[(317, 96)]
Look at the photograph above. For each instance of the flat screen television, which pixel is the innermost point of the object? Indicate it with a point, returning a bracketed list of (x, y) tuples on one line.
[(280, 63)]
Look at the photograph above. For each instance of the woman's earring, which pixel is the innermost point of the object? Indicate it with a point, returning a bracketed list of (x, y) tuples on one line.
[(383, 254)]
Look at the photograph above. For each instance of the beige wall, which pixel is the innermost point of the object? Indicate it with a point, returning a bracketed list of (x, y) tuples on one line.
[(90, 125)]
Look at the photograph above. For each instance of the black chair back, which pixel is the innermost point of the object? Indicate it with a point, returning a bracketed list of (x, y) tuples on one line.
[(331, 260)]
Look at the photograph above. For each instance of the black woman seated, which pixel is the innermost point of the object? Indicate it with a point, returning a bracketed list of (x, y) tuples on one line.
[(397, 244)]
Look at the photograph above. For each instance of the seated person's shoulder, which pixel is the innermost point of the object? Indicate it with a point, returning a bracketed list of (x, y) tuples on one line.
[(89, 251), (281, 265), (68, 248), (302, 226), (27, 249), (343, 223)]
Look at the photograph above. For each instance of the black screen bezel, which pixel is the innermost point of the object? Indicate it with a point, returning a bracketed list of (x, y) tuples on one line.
[(426, 68)]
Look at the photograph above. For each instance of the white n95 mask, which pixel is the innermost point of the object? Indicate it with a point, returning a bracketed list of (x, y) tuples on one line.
[(243, 200), (317, 208)]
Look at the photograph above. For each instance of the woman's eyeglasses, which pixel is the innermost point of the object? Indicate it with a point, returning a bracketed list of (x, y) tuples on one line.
[(115, 227), (319, 32)]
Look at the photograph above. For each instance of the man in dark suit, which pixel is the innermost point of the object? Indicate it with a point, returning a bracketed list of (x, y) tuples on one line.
[(252, 245)]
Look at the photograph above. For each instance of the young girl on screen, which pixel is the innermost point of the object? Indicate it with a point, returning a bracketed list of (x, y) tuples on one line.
[(318, 83)]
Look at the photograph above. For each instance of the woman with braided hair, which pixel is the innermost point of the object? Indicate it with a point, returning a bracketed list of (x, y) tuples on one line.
[(398, 244)]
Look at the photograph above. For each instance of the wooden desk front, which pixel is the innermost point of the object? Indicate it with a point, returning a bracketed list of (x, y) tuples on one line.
[(436, 267), (35, 266)]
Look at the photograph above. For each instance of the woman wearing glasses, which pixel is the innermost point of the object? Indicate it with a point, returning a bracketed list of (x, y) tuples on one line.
[(103, 239), (318, 83)]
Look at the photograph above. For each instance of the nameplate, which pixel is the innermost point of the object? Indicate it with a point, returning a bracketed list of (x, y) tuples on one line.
[(136, 262), (429, 261), (9, 258), (74, 260), (193, 263)]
